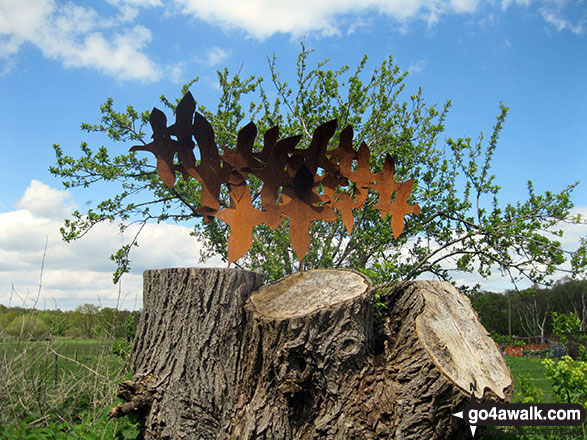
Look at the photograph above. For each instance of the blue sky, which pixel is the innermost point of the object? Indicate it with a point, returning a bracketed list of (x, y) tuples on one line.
[(59, 61)]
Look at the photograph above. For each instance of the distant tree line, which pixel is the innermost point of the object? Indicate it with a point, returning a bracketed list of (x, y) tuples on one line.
[(85, 321), (532, 311), (520, 313)]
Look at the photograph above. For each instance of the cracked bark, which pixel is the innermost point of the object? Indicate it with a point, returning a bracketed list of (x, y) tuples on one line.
[(223, 357)]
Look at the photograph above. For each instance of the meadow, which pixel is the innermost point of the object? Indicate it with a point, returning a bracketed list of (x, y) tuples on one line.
[(62, 388)]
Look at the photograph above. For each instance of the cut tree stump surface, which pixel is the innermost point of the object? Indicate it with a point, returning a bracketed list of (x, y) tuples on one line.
[(458, 344), (302, 294)]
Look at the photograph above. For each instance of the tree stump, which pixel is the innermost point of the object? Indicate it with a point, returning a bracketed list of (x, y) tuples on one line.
[(218, 356)]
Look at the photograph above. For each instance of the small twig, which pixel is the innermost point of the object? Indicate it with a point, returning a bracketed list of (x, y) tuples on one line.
[(304, 126), (42, 269), (76, 362)]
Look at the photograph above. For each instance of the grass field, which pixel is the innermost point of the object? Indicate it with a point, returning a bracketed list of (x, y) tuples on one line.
[(64, 383), (533, 369), (53, 360)]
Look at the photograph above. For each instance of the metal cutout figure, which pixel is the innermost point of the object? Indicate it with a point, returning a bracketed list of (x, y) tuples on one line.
[(290, 177)]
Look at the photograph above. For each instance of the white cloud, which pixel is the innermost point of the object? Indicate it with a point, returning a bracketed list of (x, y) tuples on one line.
[(554, 11), (263, 18), (216, 55), (43, 201), (461, 6), (129, 9), (176, 73), (81, 271), (573, 232), (554, 18), (417, 66), (75, 35), (357, 24)]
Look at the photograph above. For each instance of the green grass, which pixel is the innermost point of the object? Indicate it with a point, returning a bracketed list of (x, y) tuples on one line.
[(533, 368), (59, 382), (68, 354)]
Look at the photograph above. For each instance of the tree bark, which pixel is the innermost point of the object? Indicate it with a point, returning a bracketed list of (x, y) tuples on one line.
[(188, 348), (217, 356)]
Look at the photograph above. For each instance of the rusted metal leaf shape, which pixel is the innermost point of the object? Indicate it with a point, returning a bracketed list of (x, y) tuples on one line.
[(290, 177)]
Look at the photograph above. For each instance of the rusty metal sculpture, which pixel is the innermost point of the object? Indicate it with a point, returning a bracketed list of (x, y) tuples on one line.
[(290, 177)]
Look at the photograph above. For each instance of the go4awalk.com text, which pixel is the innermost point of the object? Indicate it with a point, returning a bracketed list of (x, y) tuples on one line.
[(522, 414)]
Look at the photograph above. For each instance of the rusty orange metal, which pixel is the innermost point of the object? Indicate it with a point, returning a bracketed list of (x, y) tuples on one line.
[(290, 177)]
